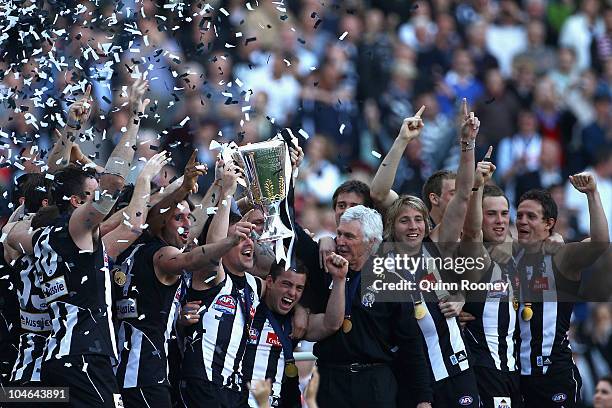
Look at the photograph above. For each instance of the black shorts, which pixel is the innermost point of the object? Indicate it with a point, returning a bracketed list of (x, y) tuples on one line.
[(560, 389), (147, 397), (458, 391), (498, 389), (343, 387), (96, 386), (201, 393)]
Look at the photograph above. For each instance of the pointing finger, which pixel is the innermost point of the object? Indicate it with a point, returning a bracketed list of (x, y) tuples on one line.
[(87, 92), (420, 112), (465, 108), (488, 155)]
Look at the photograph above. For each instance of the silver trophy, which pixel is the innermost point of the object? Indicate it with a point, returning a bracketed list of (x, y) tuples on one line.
[(267, 169)]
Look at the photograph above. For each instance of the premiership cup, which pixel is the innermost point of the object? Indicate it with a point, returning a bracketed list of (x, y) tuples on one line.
[(267, 169)]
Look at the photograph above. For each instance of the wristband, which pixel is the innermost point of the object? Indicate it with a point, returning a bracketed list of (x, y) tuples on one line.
[(467, 145)]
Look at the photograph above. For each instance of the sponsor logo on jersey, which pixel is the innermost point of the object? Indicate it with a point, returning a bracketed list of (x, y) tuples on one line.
[(126, 309), (54, 289), (466, 400), (540, 284), (502, 402), (542, 361), (35, 322), (368, 299), (273, 340), (458, 357), (559, 397), (225, 304)]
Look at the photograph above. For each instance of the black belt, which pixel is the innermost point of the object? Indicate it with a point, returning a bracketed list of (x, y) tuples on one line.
[(351, 367)]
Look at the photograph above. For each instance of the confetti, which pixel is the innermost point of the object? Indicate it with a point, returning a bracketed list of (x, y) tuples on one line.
[(341, 130), (376, 154), (343, 36)]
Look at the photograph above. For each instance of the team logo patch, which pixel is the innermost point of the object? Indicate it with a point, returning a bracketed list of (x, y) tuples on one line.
[(273, 340), (54, 289), (559, 397), (253, 336), (368, 299), (126, 309), (466, 400), (225, 304), (502, 402), (497, 294)]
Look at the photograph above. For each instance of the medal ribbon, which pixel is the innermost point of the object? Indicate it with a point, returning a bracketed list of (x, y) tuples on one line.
[(245, 305), (283, 332), (351, 291)]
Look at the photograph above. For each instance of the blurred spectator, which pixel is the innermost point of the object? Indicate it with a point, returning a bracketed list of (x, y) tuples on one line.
[(576, 201), (566, 73), (566, 224), (318, 176), (459, 83), (541, 55), (548, 174), (579, 29), (396, 100), (278, 82), (523, 81), (598, 134), (601, 46), (506, 38), (497, 110), (603, 393), (439, 138), (477, 47), (519, 154)]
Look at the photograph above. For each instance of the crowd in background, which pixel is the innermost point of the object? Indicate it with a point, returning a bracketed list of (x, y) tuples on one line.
[(343, 75)]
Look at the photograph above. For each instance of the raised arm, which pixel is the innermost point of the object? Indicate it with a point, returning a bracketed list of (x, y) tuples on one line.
[(220, 222), (454, 216), (322, 325), (86, 218), (200, 260), (200, 214), (134, 216), (573, 258), (78, 114), (381, 191)]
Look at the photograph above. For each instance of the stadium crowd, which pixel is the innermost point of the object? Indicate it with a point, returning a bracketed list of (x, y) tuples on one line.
[(83, 82)]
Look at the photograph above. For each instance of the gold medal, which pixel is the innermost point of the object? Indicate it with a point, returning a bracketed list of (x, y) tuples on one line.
[(120, 277), (515, 304), (420, 310), (347, 325), (527, 312), (291, 370)]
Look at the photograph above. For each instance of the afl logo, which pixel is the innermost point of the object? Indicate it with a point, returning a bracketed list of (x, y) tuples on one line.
[(559, 397), (225, 304), (466, 400)]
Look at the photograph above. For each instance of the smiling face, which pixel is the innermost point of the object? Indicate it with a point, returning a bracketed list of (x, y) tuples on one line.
[(409, 227), (240, 258), (176, 229), (531, 225), (603, 395), (495, 219), (284, 292), (351, 244)]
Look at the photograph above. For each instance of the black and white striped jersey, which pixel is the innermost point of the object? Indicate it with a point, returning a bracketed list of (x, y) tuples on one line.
[(543, 343), (9, 319), (146, 310), (35, 321), (446, 350), (215, 346), (264, 356), (490, 338), (77, 289)]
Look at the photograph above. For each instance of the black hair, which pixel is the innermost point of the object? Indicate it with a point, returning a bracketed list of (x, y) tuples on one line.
[(69, 181), (277, 269), (354, 186), (434, 185), (549, 206), (491, 190)]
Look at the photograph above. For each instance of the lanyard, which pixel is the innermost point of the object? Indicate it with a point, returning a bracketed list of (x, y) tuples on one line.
[(245, 305), (283, 332), (351, 291)]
